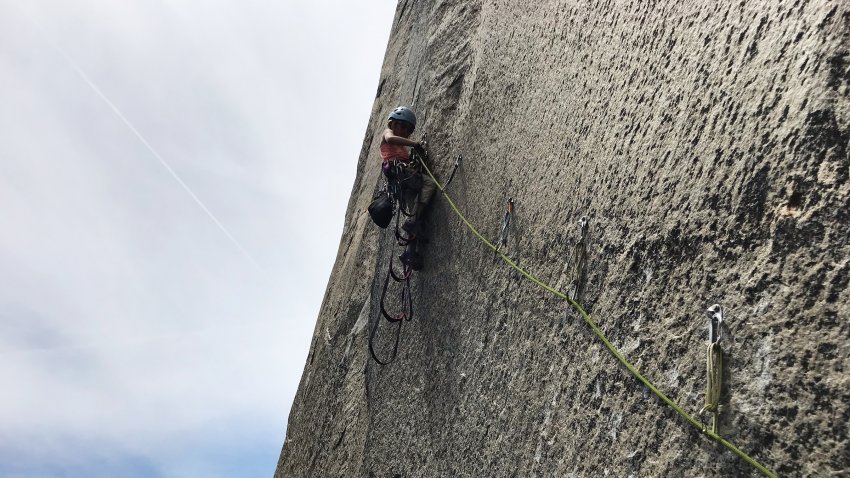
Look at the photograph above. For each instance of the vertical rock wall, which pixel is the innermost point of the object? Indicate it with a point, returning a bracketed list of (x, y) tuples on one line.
[(708, 145)]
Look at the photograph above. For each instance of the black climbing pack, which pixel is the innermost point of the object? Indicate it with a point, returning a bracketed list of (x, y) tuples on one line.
[(381, 209)]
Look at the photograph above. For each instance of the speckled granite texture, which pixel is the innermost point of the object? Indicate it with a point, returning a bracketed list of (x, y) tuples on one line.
[(708, 144)]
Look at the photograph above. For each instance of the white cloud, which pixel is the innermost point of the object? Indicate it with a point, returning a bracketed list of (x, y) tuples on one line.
[(129, 323)]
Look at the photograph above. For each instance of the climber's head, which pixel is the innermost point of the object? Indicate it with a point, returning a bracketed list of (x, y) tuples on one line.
[(402, 121)]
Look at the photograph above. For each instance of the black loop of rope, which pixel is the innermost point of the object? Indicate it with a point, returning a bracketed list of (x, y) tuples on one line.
[(405, 314), (396, 190)]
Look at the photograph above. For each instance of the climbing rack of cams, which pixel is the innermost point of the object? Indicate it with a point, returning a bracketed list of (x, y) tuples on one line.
[(403, 191)]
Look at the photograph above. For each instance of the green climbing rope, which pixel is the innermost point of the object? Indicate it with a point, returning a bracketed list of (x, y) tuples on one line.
[(619, 356)]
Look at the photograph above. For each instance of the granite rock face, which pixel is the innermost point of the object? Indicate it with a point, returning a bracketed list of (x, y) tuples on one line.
[(708, 146)]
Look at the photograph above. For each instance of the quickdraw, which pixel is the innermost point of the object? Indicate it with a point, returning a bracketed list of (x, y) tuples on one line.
[(574, 289), (714, 364), (458, 161), (504, 229), (400, 186)]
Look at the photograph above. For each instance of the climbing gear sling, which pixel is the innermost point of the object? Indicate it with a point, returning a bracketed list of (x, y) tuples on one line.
[(504, 229), (579, 256), (458, 161), (714, 364), (406, 312)]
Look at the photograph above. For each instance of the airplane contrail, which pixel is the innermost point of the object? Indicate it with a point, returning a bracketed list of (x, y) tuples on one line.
[(150, 148)]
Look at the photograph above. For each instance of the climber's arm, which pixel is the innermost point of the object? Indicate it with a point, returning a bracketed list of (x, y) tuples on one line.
[(390, 138)]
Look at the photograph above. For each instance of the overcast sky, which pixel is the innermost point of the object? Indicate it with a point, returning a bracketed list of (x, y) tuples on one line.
[(173, 181)]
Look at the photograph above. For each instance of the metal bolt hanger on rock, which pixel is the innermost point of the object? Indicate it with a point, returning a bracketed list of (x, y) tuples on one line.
[(458, 162)]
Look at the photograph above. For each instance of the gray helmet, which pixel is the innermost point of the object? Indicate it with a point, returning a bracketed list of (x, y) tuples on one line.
[(403, 113)]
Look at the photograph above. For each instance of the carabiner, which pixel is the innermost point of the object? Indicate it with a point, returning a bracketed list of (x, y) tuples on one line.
[(715, 323)]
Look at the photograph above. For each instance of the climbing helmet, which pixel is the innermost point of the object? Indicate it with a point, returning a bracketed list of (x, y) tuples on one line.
[(403, 113)]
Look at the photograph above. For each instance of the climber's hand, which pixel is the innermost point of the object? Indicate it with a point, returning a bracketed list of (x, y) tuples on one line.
[(420, 148)]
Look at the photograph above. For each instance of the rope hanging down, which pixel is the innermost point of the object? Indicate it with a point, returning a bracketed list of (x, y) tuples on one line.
[(619, 356), (402, 190), (406, 312)]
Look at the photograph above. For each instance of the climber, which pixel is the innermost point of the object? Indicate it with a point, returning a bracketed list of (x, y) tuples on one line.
[(394, 152)]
